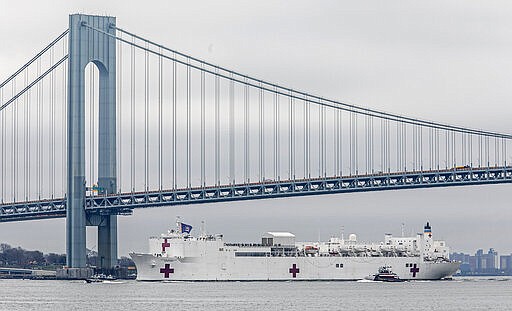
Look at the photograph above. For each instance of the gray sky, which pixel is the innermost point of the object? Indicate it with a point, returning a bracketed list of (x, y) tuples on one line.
[(448, 61)]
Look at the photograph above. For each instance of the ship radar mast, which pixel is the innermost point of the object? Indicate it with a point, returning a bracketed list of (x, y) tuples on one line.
[(203, 232), (178, 224)]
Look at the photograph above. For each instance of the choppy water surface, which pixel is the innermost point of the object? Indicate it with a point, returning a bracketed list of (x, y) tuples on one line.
[(459, 294)]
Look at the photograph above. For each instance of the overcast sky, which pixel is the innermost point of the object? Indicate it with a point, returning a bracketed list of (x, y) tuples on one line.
[(448, 61)]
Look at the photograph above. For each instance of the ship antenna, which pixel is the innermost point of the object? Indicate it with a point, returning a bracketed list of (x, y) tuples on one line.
[(178, 221), (202, 228), (402, 227), (342, 232)]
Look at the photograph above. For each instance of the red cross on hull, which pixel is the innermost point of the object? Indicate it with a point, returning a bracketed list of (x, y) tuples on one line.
[(165, 244), (167, 270), (294, 270), (414, 270)]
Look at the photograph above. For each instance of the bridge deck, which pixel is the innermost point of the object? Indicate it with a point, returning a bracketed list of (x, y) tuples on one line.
[(124, 203)]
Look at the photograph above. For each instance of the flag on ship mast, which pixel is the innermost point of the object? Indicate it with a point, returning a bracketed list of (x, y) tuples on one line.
[(185, 228)]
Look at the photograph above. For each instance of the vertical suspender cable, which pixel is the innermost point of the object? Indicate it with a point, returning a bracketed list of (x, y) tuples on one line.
[(431, 149), (132, 115), (504, 148), (438, 148), (232, 131), (290, 144), (307, 173), (420, 153), (398, 149), (337, 143), (52, 123), (479, 151), (388, 145), (39, 131), (496, 151), (246, 132), (470, 147), (463, 148), (146, 116), (26, 144), (367, 143), (50, 134), (174, 117), (217, 128), (324, 142), (203, 106), (382, 145), (321, 133), (488, 158), (404, 125), (189, 137), (351, 142), (356, 147), (503, 160), (454, 163), (160, 103), (414, 147), (305, 139), (368, 168), (320, 140), (15, 143), (371, 145), (276, 137), (447, 138), (262, 134)]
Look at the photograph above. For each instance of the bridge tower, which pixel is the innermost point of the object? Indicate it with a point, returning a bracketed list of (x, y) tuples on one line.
[(86, 46)]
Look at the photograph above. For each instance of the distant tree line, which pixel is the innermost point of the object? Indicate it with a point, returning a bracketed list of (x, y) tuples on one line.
[(21, 258), (18, 257)]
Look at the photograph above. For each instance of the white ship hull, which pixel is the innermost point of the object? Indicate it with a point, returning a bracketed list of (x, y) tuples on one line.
[(151, 268)]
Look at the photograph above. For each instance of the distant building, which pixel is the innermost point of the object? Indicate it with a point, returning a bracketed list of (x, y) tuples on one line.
[(491, 261), (506, 264), (484, 263)]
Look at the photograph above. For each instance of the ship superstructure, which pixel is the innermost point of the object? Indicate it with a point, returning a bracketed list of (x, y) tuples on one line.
[(177, 255)]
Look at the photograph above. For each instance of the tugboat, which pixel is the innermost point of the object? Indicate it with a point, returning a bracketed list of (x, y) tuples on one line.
[(386, 275), (99, 278)]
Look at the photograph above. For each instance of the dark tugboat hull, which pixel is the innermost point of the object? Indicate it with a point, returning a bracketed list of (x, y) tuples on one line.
[(387, 279)]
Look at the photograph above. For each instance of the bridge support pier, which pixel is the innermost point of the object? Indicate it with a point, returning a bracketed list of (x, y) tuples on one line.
[(107, 242), (85, 46)]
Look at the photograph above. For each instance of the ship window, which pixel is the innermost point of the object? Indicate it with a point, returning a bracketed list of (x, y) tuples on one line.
[(267, 241), (337, 265), (407, 265)]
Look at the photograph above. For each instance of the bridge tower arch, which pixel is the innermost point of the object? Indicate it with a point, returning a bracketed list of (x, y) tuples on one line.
[(86, 46)]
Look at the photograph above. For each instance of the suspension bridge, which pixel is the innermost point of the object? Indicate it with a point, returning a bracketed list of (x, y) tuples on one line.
[(102, 121)]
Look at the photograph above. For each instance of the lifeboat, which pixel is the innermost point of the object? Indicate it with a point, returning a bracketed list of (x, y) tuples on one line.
[(310, 249)]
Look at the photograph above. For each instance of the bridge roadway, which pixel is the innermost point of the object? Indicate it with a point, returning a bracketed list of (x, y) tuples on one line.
[(124, 203)]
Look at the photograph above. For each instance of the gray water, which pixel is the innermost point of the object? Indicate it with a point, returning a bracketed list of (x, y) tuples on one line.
[(482, 293)]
